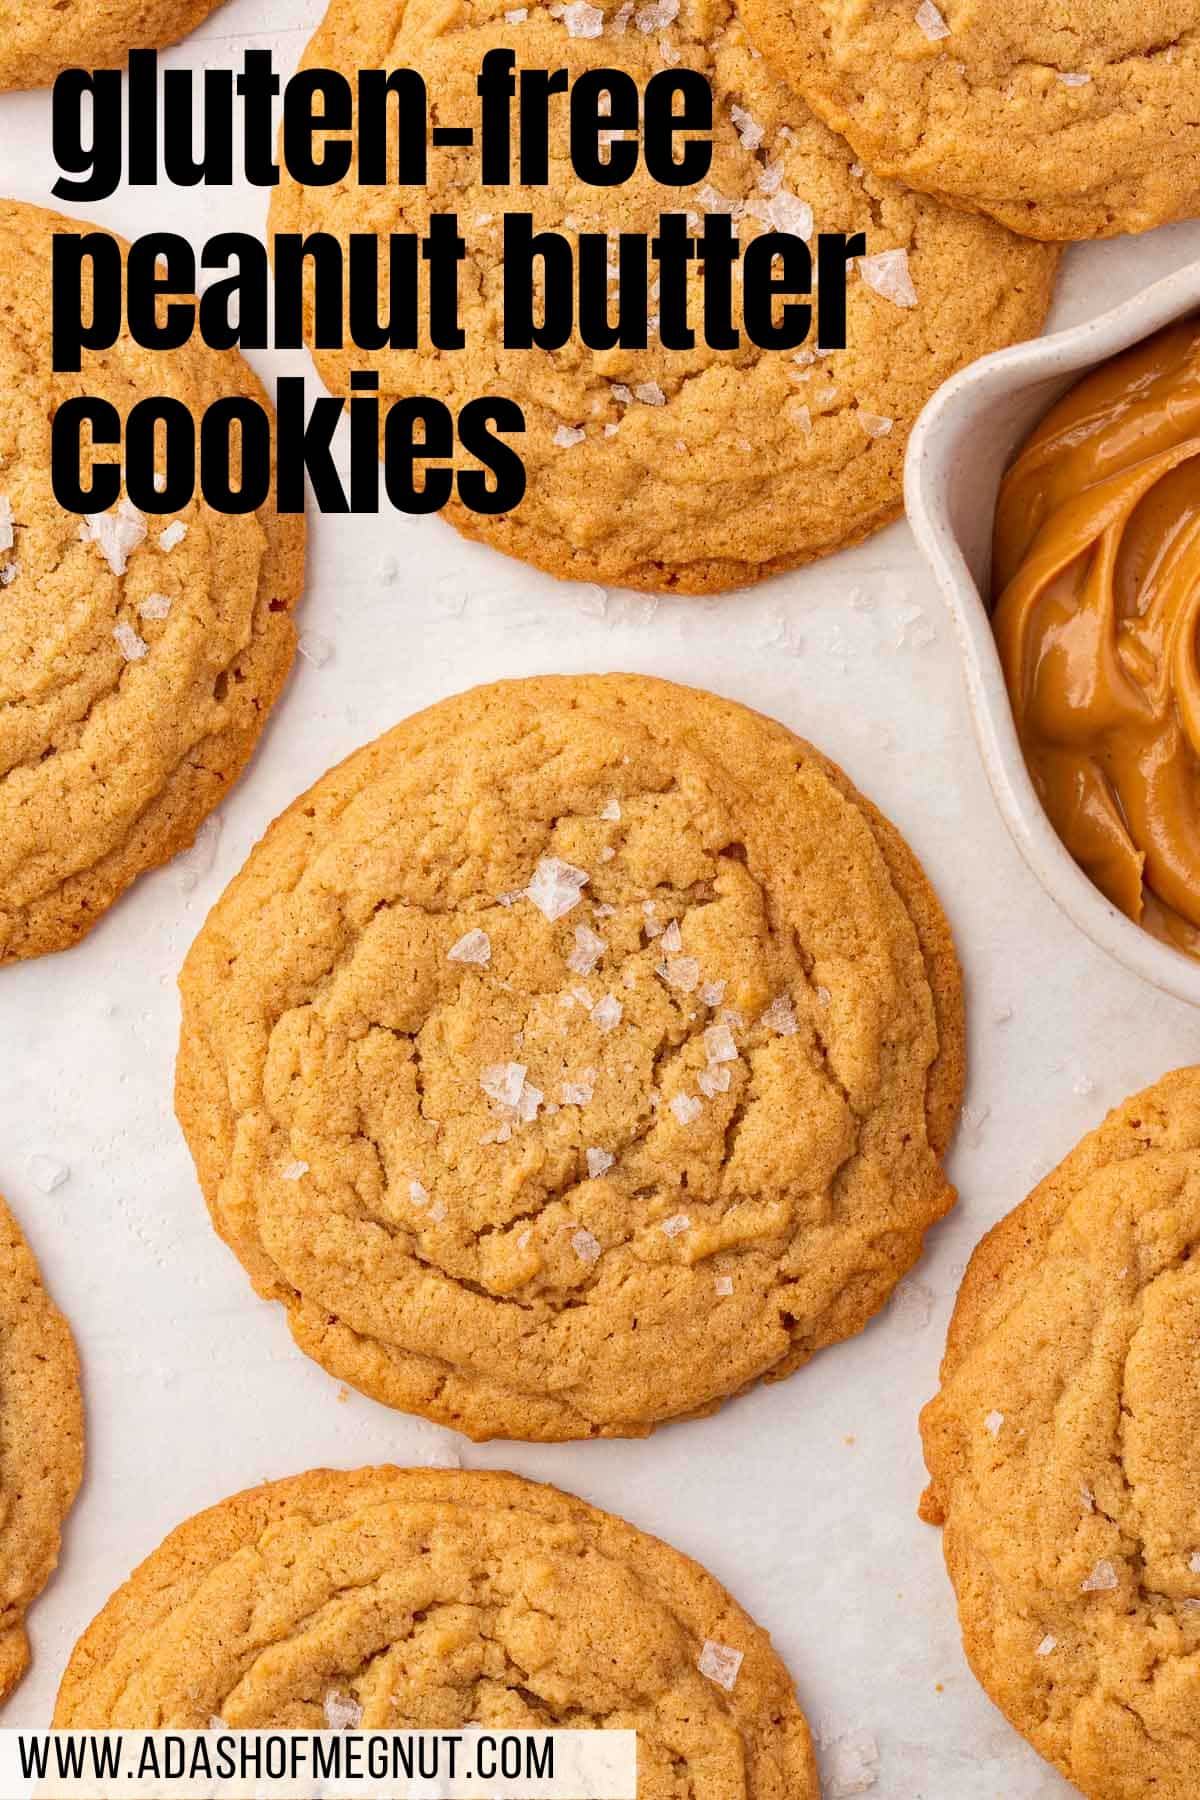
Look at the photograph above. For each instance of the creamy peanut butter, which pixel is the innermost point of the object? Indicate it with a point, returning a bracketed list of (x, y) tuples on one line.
[(1096, 569)]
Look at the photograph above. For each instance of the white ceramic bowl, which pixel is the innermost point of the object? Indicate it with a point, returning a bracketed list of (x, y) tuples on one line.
[(960, 447)]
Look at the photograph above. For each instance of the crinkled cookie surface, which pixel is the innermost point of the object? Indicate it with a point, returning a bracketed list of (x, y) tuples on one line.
[(139, 656), (41, 1440), (573, 1056), (692, 469), (41, 38), (393, 1599), (1064, 1448), (1059, 120)]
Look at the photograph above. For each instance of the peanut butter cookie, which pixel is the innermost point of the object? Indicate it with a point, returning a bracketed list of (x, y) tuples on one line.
[(1059, 121), (139, 656), (41, 1440), (1064, 1448), (410, 1599), (41, 38), (688, 469), (573, 1056)]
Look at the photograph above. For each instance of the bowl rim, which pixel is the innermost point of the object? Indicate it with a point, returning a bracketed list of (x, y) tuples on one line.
[(934, 439)]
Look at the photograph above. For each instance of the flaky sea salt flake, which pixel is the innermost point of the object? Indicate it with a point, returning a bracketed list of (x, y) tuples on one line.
[(582, 20), (342, 1711), (723, 1286), (1102, 1580), (887, 273), (656, 16), (787, 212), (474, 946), (682, 972), (1070, 79), (599, 1162), (586, 1247), (1048, 1646), (719, 1045), (174, 535), (47, 1172), (994, 1423), (720, 1663), (750, 132), (315, 648), (556, 887), (612, 811), (131, 646), (780, 1016), (676, 1225), (117, 534), (650, 394), (7, 535), (852, 1765), (713, 1081), (876, 425), (154, 606), (567, 435), (589, 948), (418, 1193), (503, 1082), (931, 21), (607, 1013), (293, 1171), (686, 1107)]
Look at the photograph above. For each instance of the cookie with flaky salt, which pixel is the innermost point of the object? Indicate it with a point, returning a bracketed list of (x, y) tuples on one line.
[(1064, 1451), (574, 1056)]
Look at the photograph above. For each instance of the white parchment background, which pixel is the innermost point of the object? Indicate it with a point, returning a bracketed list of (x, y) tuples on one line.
[(800, 1497)]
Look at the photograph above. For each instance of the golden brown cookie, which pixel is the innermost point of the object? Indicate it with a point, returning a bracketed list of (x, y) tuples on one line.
[(694, 470), (40, 38), (41, 1440), (1064, 1448), (573, 1056), (139, 656), (394, 1599), (1061, 122)]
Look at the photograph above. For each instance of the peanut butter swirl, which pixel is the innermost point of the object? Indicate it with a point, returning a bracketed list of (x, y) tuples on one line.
[(1097, 577)]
